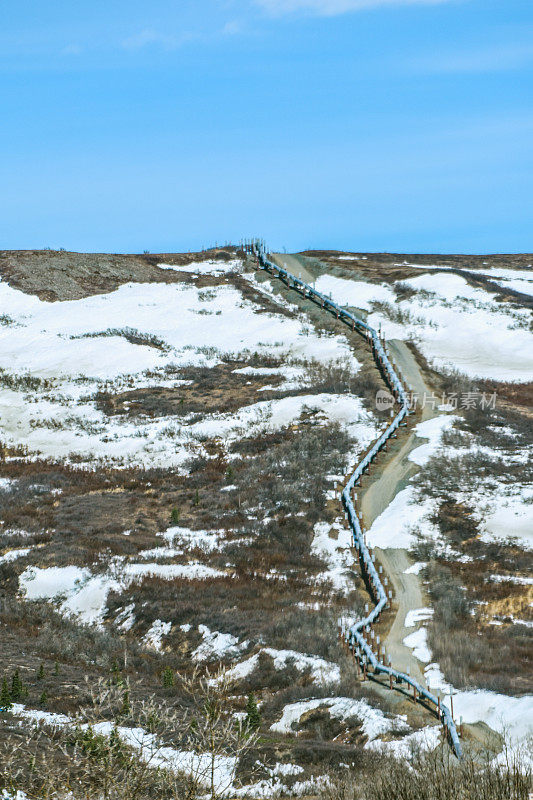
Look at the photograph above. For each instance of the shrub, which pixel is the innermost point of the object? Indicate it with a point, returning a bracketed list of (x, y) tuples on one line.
[(452, 607), (168, 678), (436, 776), (253, 717)]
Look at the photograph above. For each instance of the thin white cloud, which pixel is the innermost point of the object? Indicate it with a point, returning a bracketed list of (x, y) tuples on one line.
[(330, 8), (232, 28), (149, 37)]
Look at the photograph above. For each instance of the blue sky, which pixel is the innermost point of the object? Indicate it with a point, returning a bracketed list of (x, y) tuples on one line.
[(348, 124)]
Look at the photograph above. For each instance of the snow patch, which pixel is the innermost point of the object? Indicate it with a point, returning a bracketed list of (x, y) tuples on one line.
[(416, 615), (153, 638), (418, 642), (358, 294), (217, 645), (12, 555), (432, 429), (394, 527), (458, 326), (425, 740), (336, 552), (208, 267), (374, 722), (322, 672)]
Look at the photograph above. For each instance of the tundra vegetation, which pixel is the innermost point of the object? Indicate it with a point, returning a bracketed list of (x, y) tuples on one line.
[(172, 689)]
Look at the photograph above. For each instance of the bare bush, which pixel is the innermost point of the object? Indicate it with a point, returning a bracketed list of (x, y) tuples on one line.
[(296, 469), (403, 291), (437, 776), (119, 748), (132, 335), (451, 605)]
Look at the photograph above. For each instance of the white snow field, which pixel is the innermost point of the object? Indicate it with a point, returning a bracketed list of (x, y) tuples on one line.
[(60, 344), (508, 513), (357, 294), (520, 280), (458, 326)]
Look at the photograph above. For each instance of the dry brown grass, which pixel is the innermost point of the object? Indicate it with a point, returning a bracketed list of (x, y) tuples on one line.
[(59, 275)]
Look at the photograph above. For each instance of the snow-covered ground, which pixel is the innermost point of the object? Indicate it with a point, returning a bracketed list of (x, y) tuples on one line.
[(208, 267), (77, 592), (374, 722), (425, 739), (395, 527), (512, 717), (333, 544), (418, 642), (60, 343), (322, 672), (216, 645), (521, 280), (358, 294), (149, 748), (503, 509), (179, 541), (508, 512), (154, 635), (12, 555), (465, 328)]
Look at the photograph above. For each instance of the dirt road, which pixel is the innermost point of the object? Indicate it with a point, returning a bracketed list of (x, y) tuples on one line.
[(393, 477), (293, 264)]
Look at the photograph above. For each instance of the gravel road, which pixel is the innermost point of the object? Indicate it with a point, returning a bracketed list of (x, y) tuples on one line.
[(393, 477)]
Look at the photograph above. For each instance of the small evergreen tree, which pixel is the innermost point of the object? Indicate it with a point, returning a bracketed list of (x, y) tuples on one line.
[(175, 516), (116, 750), (17, 689), (253, 717), (43, 699), (56, 668), (117, 677), (40, 674), (126, 706), (5, 698), (168, 678)]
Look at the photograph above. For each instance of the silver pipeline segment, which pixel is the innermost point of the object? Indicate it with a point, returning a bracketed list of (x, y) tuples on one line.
[(355, 635)]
